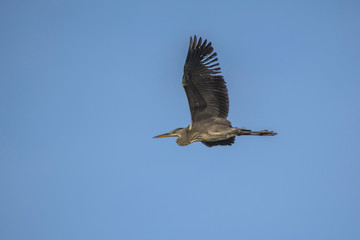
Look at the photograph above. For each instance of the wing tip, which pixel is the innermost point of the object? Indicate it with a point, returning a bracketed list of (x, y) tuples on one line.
[(195, 43), (205, 52)]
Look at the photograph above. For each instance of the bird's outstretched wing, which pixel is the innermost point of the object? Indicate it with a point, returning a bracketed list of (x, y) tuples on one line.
[(205, 89)]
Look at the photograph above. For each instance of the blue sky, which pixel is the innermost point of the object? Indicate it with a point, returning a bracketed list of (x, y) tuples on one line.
[(85, 85)]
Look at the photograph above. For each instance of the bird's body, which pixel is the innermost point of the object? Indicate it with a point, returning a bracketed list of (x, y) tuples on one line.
[(214, 130), (208, 101)]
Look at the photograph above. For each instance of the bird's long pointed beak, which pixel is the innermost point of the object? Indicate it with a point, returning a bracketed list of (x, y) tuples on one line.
[(164, 135)]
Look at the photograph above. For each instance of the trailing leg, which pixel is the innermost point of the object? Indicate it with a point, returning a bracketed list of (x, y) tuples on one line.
[(243, 131)]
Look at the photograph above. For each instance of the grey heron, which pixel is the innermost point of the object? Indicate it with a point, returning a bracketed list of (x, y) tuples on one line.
[(208, 101)]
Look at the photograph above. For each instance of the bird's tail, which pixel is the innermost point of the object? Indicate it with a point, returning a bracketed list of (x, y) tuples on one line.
[(243, 131)]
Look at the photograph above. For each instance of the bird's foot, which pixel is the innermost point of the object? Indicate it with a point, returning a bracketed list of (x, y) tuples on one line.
[(265, 133)]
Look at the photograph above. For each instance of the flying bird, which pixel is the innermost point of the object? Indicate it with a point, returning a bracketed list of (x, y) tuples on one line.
[(208, 101)]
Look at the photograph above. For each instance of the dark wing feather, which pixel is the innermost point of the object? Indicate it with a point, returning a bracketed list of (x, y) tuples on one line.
[(205, 89), (225, 142)]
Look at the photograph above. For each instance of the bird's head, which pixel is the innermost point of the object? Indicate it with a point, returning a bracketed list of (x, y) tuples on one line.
[(182, 134), (174, 133)]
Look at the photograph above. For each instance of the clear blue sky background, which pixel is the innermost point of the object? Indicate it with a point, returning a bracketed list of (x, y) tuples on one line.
[(85, 85)]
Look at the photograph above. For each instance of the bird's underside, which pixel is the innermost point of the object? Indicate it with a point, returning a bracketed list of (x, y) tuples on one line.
[(237, 132), (208, 101)]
